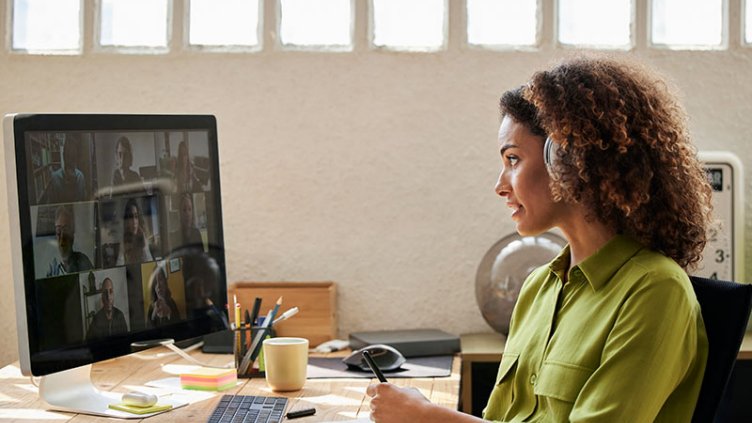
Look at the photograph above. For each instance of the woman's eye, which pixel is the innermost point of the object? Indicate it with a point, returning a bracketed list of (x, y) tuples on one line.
[(512, 159)]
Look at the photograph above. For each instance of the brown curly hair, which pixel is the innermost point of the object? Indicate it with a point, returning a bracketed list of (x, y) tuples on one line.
[(624, 152)]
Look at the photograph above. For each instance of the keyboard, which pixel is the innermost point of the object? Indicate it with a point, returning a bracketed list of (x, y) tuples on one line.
[(248, 409)]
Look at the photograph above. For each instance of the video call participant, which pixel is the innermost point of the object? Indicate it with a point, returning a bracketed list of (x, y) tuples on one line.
[(186, 178), (68, 260), (109, 320), (610, 330), (135, 245), (187, 233), (67, 184), (162, 309), (123, 175)]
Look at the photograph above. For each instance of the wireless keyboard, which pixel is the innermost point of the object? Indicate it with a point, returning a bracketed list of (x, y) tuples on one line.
[(249, 409)]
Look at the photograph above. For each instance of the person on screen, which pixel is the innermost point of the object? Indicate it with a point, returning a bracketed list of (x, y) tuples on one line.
[(187, 233), (123, 175), (109, 320), (186, 178), (68, 260), (610, 330), (135, 245), (162, 309), (67, 184)]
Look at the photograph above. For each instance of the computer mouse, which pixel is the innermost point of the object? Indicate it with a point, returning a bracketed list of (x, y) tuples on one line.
[(386, 358), (139, 399)]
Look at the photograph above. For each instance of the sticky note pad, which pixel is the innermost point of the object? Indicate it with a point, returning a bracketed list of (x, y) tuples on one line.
[(140, 410), (208, 379)]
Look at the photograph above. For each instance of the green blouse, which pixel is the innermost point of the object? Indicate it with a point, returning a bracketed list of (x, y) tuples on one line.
[(622, 341)]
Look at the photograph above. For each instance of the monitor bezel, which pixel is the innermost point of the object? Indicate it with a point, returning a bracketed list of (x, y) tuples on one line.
[(38, 363)]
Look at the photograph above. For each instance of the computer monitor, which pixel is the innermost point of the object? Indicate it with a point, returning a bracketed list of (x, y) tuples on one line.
[(116, 238)]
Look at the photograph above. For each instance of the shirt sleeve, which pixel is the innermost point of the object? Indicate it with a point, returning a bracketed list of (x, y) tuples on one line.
[(653, 345)]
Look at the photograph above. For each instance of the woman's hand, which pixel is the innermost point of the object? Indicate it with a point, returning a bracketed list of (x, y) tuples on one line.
[(392, 404)]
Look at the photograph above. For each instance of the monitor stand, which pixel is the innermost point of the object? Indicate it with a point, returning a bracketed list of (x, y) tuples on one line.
[(72, 391)]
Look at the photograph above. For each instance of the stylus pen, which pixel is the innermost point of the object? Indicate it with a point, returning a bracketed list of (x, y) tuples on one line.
[(374, 368)]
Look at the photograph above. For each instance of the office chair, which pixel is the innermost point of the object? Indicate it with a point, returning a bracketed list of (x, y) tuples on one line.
[(725, 308)]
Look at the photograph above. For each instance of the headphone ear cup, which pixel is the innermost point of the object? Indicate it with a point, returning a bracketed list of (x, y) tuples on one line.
[(549, 154)]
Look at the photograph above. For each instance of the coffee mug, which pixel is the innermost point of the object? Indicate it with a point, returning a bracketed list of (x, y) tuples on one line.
[(285, 362)]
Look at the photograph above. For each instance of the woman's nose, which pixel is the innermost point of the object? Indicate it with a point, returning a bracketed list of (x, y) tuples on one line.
[(502, 188)]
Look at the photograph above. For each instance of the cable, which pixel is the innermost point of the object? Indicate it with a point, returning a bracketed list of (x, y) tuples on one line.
[(169, 343)]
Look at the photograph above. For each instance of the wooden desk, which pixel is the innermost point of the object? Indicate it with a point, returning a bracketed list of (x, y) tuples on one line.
[(334, 399), (486, 348)]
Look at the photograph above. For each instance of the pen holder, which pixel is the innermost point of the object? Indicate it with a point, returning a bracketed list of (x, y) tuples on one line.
[(249, 356)]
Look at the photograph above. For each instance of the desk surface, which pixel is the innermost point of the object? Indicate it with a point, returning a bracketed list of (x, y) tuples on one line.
[(334, 399)]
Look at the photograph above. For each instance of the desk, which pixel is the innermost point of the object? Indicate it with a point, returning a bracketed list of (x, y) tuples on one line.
[(334, 399), (482, 351)]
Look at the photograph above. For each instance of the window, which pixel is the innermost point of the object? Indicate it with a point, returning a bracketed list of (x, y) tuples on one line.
[(687, 23), (748, 21), (501, 22), (224, 23), (316, 23), (47, 26), (417, 25), (595, 23), (133, 23)]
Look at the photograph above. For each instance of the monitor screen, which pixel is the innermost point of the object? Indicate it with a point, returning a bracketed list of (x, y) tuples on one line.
[(116, 228)]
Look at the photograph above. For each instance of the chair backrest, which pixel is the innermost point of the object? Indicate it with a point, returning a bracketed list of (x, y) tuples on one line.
[(725, 309)]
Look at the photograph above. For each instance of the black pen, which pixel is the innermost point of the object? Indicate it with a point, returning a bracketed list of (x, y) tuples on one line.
[(374, 368)]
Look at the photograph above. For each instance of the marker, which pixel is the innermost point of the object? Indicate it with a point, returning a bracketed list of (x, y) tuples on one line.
[(286, 315), (374, 368)]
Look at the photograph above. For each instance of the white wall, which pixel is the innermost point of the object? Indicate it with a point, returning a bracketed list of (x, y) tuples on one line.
[(371, 169)]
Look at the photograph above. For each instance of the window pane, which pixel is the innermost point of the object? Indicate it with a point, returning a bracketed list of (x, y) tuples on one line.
[(748, 21), (316, 22), (47, 25), (501, 22), (133, 23), (224, 22), (409, 25), (595, 22), (688, 22)]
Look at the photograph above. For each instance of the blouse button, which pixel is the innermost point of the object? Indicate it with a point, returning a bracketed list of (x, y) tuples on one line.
[(533, 379)]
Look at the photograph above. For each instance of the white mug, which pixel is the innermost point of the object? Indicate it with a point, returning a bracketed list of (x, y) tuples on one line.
[(285, 363)]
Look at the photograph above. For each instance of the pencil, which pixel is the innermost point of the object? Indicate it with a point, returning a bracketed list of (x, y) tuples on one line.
[(374, 368)]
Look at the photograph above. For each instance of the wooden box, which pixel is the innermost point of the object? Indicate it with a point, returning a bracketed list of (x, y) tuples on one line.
[(316, 320)]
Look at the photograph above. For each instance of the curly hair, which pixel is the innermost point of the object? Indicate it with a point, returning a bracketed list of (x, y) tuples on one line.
[(625, 153)]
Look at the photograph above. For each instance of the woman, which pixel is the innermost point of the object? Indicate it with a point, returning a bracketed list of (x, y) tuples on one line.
[(187, 180), (135, 245), (610, 330), (124, 160), (162, 309)]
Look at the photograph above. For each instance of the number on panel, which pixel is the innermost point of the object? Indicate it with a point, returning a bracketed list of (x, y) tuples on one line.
[(133, 23), (50, 26), (502, 22), (598, 23), (316, 22), (224, 23), (687, 23), (409, 25)]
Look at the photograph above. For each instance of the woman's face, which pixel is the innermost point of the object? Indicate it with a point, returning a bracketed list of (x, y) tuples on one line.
[(161, 288), (523, 179), (186, 213), (121, 155), (131, 220)]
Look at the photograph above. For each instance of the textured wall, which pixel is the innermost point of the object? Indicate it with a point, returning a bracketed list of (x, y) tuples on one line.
[(371, 169)]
